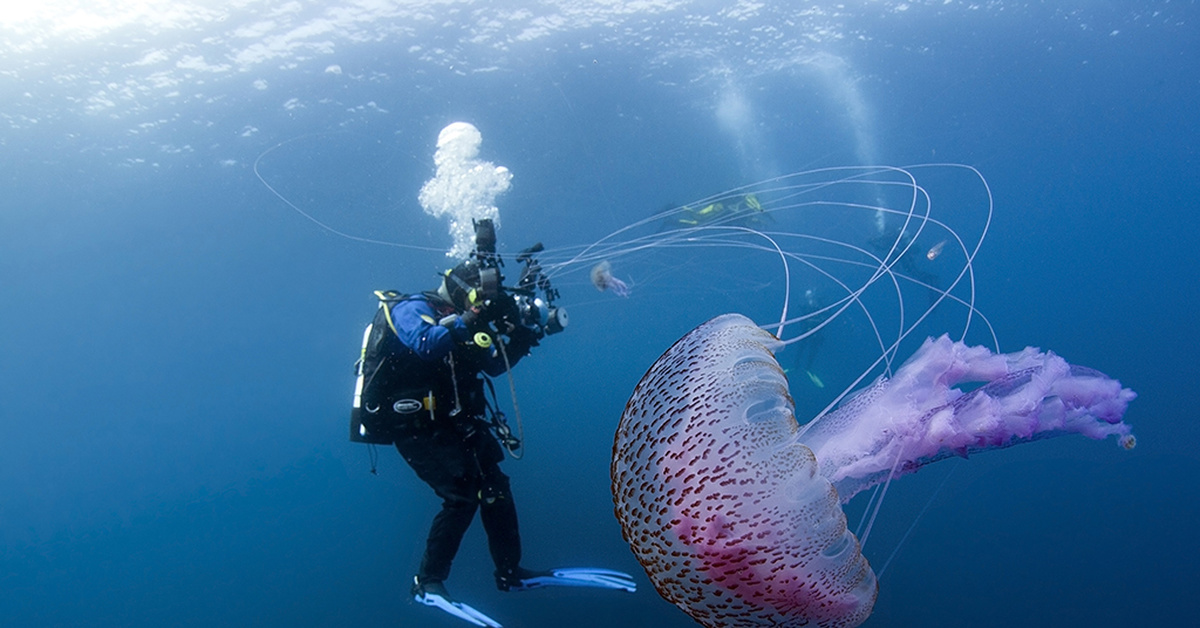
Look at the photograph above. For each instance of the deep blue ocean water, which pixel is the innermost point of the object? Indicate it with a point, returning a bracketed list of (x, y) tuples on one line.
[(178, 342)]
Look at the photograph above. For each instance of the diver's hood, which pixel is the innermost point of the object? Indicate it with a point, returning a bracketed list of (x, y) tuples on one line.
[(461, 285)]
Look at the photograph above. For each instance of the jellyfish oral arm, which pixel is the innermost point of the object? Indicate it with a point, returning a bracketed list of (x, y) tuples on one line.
[(618, 287), (919, 416)]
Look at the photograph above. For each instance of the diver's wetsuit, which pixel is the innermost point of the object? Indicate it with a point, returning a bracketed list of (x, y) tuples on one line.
[(453, 452)]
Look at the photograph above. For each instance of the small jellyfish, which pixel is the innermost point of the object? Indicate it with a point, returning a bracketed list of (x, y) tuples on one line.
[(603, 279), (935, 251)]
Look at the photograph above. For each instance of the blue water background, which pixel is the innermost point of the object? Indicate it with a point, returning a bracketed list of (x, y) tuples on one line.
[(178, 343)]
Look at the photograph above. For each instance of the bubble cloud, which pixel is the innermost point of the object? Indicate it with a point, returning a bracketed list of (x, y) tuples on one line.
[(464, 187)]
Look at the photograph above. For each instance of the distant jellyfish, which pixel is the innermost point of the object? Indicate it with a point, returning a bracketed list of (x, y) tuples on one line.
[(603, 279), (935, 251)]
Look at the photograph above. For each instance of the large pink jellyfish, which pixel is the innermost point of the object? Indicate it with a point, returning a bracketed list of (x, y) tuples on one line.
[(603, 279), (732, 507)]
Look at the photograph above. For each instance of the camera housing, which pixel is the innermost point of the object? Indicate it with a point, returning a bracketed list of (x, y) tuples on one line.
[(532, 312), (538, 315)]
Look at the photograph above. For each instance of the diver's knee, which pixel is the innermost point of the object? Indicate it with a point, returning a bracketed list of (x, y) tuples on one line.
[(462, 493), (494, 490)]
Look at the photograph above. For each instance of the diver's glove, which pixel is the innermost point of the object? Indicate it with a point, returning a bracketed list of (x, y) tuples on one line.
[(501, 311), (469, 318), (435, 594), (523, 338), (521, 341), (524, 579)]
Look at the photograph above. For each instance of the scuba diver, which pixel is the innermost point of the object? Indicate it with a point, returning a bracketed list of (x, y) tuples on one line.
[(742, 211), (421, 379), (816, 313), (912, 263)]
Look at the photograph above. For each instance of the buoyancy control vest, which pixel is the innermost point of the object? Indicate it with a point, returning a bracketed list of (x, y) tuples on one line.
[(396, 389)]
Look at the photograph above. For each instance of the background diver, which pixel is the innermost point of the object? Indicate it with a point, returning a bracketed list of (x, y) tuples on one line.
[(816, 312), (913, 262), (741, 211), (421, 386)]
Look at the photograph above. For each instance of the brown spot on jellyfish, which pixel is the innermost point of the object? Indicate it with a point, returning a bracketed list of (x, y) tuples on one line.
[(603, 279)]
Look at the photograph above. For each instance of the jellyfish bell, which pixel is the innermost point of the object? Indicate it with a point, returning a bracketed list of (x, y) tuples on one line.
[(722, 506), (600, 275)]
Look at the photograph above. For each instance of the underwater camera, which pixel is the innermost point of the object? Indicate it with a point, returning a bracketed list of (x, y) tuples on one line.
[(538, 315), (532, 311), (489, 261)]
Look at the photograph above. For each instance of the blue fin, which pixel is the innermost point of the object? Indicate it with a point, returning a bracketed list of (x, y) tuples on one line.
[(458, 609), (578, 577)]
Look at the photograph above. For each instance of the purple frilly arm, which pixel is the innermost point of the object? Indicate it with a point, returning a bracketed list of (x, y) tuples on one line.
[(618, 287), (919, 416)]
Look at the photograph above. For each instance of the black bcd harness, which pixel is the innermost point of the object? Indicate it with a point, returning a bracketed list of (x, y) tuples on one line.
[(395, 388), (392, 382)]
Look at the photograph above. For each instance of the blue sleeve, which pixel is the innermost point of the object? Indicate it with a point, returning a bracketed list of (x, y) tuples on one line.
[(417, 327)]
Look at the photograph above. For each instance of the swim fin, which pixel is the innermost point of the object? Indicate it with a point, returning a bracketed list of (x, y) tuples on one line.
[(434, 594), (575, 577)]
